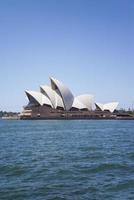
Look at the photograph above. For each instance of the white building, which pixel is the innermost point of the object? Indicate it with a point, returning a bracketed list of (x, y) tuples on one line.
[(59, 96)]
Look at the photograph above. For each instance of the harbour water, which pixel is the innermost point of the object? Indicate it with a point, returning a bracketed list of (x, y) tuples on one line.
[(72, 160)]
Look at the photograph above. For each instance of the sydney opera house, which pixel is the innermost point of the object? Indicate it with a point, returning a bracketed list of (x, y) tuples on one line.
[(56, 101)]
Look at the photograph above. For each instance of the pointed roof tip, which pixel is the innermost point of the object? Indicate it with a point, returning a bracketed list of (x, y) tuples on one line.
[(29, 91), (26, 91), (51, 78), (54, 79)]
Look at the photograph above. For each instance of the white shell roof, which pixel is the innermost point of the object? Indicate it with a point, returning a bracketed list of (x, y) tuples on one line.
[(100, 106), (38, 97), (47, 90), (55, 98), (108, 106), (58, 95), (64, 92), (86, 100), (58, 101), (77, 104)]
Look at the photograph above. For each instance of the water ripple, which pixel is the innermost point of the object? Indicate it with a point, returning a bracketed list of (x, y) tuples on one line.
[(66, 160)]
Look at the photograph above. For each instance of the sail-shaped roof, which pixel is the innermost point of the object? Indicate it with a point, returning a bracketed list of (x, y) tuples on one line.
[(37, 98), (86, 100), (53, 96), (47, 90), (77, 104), (57, 95), (107, 106), (64, 92)]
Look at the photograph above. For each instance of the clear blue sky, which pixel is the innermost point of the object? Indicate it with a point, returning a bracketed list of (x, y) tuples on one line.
[(87, 44)]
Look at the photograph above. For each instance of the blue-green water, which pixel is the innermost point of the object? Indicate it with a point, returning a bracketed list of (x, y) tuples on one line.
[(72, 160)]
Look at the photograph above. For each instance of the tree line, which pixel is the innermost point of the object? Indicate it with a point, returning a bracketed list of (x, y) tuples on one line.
[(5, 113)]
